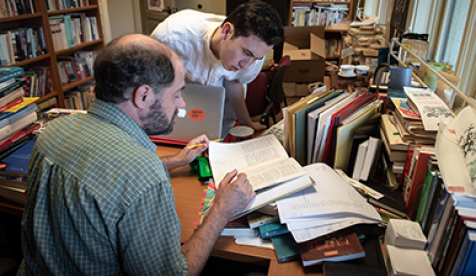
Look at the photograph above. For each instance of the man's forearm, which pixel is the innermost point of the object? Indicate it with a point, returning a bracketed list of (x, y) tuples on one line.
[(199, 247), (172, 162), (235, 93)]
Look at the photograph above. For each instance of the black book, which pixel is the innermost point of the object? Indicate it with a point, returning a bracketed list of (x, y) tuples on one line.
[(392, 201), (345, 269)]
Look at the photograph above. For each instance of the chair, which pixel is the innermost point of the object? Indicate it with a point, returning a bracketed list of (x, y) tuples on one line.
[(256, 95), (275, 92), (265, 93)]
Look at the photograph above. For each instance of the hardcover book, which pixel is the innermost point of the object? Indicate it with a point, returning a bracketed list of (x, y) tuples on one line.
[(339, 246)]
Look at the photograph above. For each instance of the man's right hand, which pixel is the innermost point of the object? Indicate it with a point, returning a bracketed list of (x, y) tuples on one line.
[(232, 197)]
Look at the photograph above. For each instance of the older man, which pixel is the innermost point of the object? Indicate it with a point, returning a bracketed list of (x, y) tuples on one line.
[(100, 200)]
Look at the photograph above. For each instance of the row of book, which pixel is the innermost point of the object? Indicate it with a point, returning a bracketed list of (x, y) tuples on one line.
[(77, 67), (314, 15), (9, 8), (38, 81), (54, 5), (72, 29), (21, 44)]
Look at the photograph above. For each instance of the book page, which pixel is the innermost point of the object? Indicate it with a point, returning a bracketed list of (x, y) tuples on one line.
[(430, 107), (225, 157)]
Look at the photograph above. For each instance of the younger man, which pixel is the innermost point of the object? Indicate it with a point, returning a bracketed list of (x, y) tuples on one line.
[(226, 52)]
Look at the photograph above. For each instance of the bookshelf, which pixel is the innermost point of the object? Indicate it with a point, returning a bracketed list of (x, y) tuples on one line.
[(41, 18), (299, 16)]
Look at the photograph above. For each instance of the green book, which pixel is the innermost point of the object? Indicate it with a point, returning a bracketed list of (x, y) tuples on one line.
[(273, 229), (285, 247), (424, 197)]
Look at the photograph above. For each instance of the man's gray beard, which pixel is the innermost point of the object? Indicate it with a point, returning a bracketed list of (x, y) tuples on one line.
[(156, 121)]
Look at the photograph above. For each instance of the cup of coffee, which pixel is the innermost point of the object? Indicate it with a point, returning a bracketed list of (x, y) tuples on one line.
[(241, 133)]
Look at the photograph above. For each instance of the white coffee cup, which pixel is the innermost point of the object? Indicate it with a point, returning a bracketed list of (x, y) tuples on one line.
[(361, 69), (347, 70)]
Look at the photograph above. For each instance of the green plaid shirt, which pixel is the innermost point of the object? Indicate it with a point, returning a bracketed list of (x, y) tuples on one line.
[(100, 201)]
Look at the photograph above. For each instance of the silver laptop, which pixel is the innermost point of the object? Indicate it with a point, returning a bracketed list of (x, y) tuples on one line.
[(202, 115)]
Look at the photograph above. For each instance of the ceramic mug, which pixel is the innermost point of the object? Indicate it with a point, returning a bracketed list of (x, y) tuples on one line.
[(361, 69), (347, 70)]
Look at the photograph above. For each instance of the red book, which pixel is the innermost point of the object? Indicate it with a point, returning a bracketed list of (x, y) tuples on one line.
[(418, 178), (12, 104), (17, 136), (339, 246)]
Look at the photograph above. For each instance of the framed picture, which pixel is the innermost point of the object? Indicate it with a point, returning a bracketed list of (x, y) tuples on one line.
[(156, 5)]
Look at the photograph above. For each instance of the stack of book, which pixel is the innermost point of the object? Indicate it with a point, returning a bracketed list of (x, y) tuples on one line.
[(410, 124)]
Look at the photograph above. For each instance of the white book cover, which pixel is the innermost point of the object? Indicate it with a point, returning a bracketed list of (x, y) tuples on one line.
[(451, 160), (370, 156), (359, 160)]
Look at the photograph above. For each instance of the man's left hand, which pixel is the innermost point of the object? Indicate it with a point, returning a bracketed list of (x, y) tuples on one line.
[(187, 154)]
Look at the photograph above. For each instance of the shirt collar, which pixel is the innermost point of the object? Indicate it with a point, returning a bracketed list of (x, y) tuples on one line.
[(115, 116)]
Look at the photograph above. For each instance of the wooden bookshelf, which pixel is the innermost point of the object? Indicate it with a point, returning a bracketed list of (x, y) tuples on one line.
[(50, 59)]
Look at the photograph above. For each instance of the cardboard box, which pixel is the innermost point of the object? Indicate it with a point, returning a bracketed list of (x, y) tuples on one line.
[(292, 89), (306, 48), (405, 233)]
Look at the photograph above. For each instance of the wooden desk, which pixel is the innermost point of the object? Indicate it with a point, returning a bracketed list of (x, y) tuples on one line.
[(188, 196)]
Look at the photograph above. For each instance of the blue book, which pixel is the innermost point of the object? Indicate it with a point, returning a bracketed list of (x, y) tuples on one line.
[(10, 117), (465, 264), (18, 160), (7, 73)]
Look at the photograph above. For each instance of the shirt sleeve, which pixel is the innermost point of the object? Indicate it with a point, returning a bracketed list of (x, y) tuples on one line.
[(149, 235)]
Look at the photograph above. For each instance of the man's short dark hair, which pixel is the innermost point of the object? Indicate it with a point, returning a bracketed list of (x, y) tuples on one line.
[(257, 18), (119, 68)]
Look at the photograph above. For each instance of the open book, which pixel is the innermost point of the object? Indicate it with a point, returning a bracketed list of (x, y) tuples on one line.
[(270, 171)]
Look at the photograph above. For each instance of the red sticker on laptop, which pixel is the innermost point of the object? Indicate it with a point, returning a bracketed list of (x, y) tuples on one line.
[(196, 114)]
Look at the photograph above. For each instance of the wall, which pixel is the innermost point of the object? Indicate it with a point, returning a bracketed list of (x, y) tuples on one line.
[(121, 17)]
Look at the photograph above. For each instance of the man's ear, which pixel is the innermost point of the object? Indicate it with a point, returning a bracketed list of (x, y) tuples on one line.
[(227, 30), (140, 94)]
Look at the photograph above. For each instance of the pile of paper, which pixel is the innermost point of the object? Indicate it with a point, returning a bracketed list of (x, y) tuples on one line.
[(330, 205)]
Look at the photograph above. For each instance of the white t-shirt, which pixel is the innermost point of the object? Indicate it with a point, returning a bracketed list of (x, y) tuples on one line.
[(188, 33)]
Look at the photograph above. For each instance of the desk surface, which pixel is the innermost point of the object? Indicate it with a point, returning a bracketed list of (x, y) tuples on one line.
[(188, 196)]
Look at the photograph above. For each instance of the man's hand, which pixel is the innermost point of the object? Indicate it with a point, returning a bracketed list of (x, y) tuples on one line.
[(187, 154), (233, 196)]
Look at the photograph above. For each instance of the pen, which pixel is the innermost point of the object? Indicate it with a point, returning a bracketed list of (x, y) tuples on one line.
[(193, 146)]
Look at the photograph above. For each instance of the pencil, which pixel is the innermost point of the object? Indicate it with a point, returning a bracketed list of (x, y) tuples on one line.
[(194, 146)]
